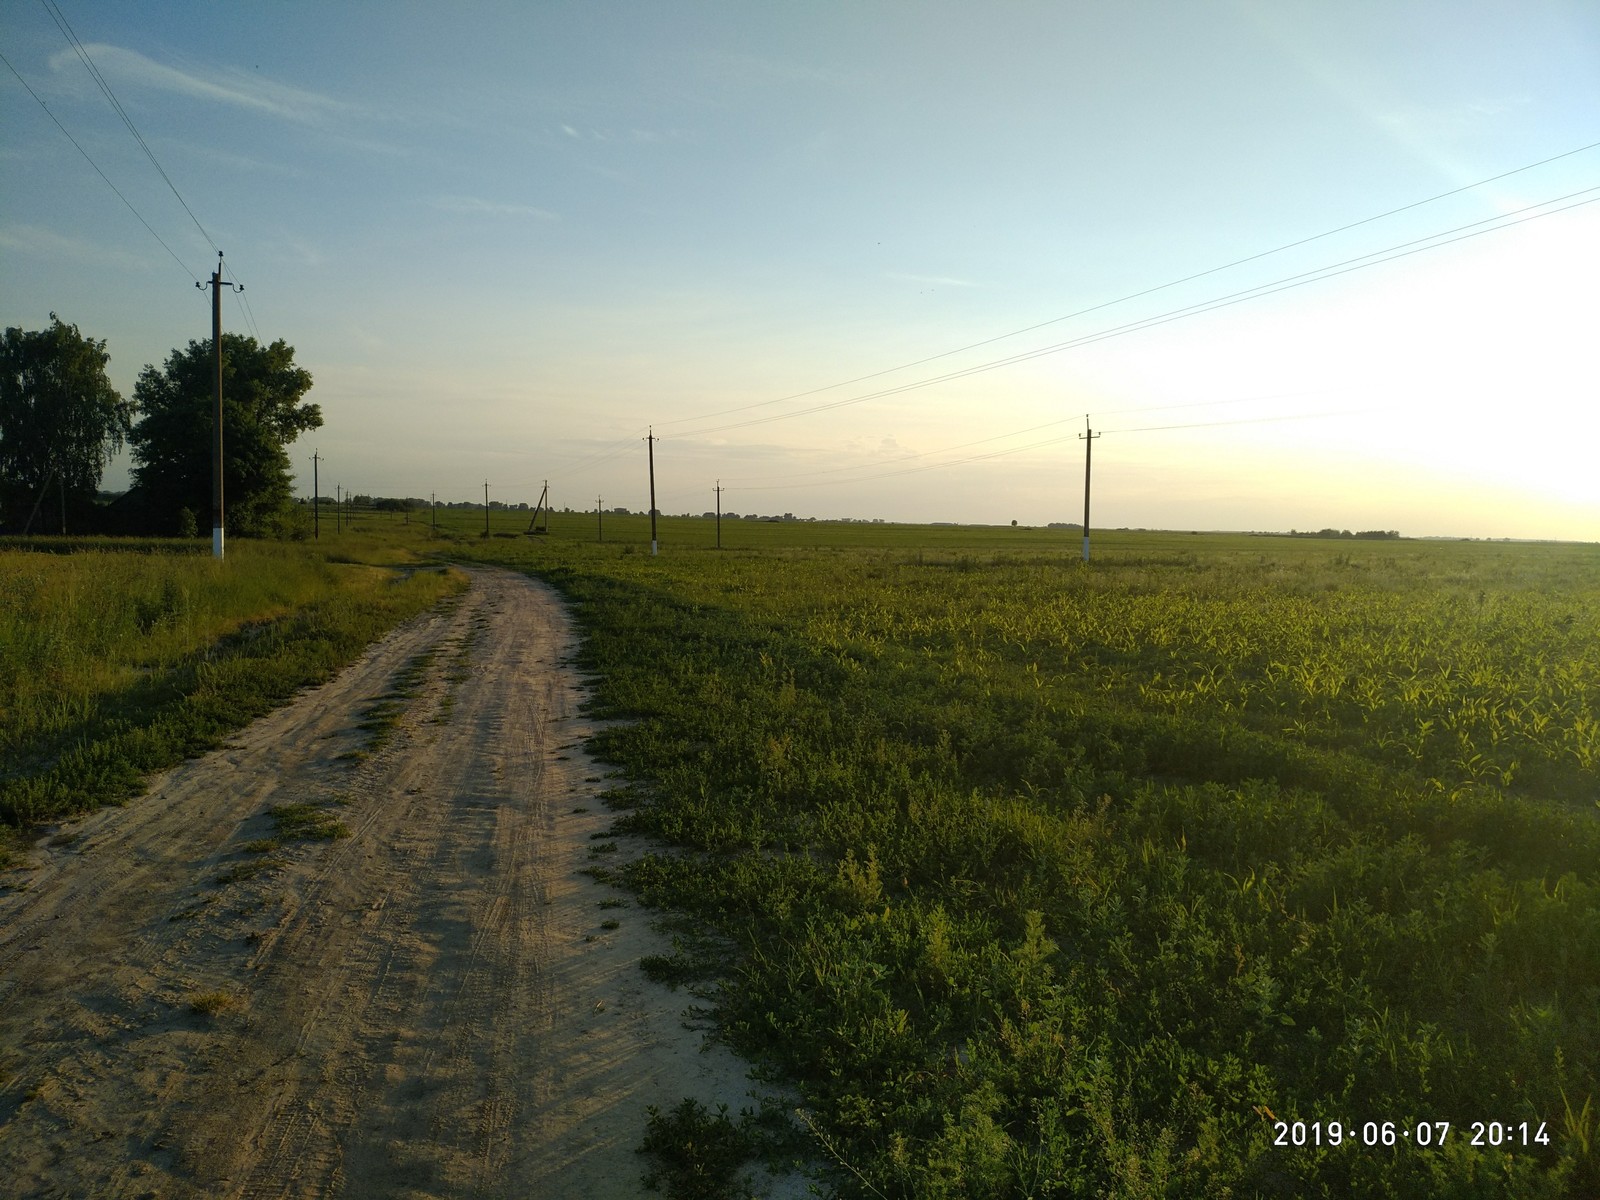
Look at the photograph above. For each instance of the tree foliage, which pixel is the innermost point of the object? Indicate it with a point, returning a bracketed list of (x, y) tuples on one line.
[(262, 413), (60, 418)]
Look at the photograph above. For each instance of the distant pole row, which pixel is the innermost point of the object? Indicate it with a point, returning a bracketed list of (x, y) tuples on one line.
[(1087, 437)]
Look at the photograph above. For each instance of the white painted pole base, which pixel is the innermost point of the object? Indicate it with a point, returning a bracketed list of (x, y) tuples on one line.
[(1085, 549), (652, 546), (216, 541)]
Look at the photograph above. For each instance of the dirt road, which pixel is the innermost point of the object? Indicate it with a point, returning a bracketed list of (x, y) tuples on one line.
[(428, 1007)]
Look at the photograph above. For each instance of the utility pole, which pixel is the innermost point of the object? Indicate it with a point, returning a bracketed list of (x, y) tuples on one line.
[(338, 508), (485, 508), (316, 501), (216, 415), (599, 519), (650, 443), (44, 491), (719, 514), (433, 500), (543, 506), (1087, 437)]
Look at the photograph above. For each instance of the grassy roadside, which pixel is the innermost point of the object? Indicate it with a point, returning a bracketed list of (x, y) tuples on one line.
[(116, 663), (1038, 881)]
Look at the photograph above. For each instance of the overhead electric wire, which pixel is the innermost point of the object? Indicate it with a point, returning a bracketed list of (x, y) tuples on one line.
[(607, 452), (82, 51), (182, 265), (972, 458), (1146, 292), (116, 105), (1332, 270), (1032, 429), (1389, 254), (249, 312), (244, 310)]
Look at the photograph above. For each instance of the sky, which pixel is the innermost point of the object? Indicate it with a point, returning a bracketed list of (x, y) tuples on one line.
[(856, 259)]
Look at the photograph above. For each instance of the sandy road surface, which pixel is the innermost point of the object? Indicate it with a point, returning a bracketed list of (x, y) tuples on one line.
[(429, 1007)]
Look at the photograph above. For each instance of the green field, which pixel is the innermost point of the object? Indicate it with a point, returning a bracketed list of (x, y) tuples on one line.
[(1045, 880), (120, 657), (1033, 879)]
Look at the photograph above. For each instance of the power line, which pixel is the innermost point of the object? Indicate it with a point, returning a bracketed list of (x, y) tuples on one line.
[(999, 437), (1376, 257), (1389, 254), (250, 313), (1145, 292), (608, 452), (187, 272), (244, 309), (1055, 441), (82, 52)]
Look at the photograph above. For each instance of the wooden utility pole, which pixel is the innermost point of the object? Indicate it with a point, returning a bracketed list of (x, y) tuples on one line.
[(650, 443), (433, 502), (44, 491), (543, 506), (316, 501), (216, 415), (338, 508), (485, 508), (599, 520), (719, 514), (1087, 437)]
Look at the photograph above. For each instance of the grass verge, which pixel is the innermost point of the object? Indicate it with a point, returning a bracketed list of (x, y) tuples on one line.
[(118, 665)]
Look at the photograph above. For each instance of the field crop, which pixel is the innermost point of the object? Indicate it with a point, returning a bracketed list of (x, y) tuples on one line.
[(1038, 879), (121, 658)]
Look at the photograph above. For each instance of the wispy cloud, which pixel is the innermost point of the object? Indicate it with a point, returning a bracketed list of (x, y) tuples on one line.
[(35, 239), (637, 136), (474, 205), (240, 162), (247, 90), (1451, 120)]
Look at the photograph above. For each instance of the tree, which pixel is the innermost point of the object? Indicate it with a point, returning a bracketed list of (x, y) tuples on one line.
[(60, 418), (262, 414)]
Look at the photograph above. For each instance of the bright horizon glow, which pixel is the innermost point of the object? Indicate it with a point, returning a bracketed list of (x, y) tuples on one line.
[(505, 239)]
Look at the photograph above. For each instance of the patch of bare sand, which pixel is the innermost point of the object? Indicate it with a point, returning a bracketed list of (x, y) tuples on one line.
[(429, 1007)]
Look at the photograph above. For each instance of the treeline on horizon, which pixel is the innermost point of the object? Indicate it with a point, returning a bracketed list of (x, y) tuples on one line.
[(401, 504)]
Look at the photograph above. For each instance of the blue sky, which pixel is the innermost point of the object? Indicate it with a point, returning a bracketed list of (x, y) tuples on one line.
[(505, 239)]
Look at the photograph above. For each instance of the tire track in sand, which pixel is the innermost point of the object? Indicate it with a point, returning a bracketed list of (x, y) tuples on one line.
[(427, 1008)]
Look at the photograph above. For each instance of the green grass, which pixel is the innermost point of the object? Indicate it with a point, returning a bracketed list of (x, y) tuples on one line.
[(306, 822), (118, 662), (1032, 879), (697, 1154), (212, 1004), (1044, 880)]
